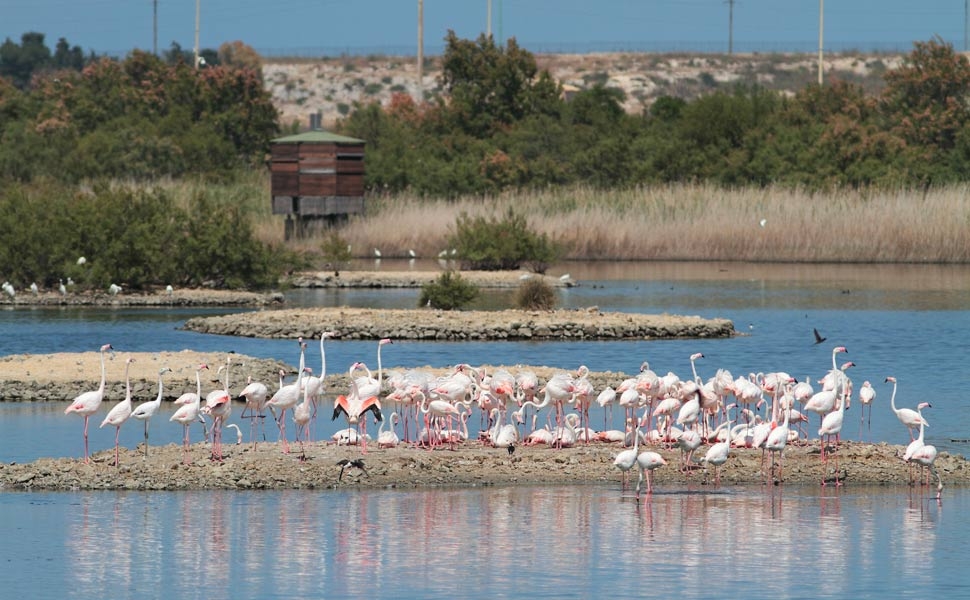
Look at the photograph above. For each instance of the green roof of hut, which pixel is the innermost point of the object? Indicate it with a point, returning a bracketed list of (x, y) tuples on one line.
[(317, 136)]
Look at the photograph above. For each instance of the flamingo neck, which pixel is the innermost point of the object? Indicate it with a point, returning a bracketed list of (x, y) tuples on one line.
[(101, 387)]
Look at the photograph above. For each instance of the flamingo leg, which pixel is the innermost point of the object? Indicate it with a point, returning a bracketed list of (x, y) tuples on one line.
[(185, 444), (86, 459), (146, 437), (117, 433)]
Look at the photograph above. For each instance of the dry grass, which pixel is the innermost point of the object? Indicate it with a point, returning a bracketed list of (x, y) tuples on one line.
[(688, 222)]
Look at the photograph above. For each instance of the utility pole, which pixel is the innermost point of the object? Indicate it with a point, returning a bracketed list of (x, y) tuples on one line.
[(195, 50), (488, 19), (420, 50), (155, 27), (821, 21), (730, 4)]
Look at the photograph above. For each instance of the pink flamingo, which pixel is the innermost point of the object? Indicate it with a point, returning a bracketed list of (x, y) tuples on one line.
[(188, 412), (88, 403), (218, 404), (437, 410), (647, 462), (355, 408), (122, 411)]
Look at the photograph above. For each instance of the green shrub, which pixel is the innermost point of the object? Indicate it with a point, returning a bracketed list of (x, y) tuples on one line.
[(492, 244), (336, 252), (448, 292), (535, 294)]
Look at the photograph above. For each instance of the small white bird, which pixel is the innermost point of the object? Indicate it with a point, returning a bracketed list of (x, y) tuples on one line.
[(61, 287), (412, 254), (8, 289), (113, 289), (169, 289), (34, 289), (81, 260), (564, 277), (763, 222), (377, 253)]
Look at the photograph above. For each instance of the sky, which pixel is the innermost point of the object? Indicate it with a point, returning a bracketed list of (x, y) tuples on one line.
[(331, 27)]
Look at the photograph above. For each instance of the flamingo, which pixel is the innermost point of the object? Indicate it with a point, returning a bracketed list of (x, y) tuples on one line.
[(916, 444), (301, 417), (502, 435), (907, 416), (369, 386), (438, 409), (388, 439), (218, 404), (718, 453), (832, 425), (254, 394), (606, 398), (775, 444), (88, 403), (317, 386), (286, 397), (121, 411), (648, 462), (925, 457), (188, 412), (625, 460), (867, 394), (354, 406), (689, 441), (147, 410)]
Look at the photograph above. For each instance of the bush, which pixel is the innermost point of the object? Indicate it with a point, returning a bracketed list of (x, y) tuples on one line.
[(448, 292), (535, 294), (336, 252), (494, 245)]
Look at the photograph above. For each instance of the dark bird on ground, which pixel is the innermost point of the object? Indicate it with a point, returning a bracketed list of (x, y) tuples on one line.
[(511, 449), (818, 336), (346, 463)]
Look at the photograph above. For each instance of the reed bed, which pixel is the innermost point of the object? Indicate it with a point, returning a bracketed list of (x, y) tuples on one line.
[(685, 222)]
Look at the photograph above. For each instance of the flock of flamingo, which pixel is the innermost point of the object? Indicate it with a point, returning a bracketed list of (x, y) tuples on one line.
[(766, 411)]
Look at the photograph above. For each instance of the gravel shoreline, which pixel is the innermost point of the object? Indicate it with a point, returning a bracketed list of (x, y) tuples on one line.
[(472, 463)]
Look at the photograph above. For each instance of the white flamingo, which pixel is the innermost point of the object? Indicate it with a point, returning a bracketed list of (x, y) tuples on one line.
[(120, 413), (287, 397), (146, 410), (907, 416), (388, 439), (88, 403)]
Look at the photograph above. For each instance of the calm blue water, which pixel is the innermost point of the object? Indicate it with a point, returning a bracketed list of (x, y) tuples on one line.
[(545, 542), (912, 323)]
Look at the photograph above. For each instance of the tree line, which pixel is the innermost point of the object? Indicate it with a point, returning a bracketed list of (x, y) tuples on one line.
[(504, 124)]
